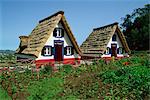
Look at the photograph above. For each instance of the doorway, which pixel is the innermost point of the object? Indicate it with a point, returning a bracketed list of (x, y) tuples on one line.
[(114, 50), (58, 45)]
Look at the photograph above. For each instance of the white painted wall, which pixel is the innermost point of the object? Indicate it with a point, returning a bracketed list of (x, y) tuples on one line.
[(119, 44), (50, 42)]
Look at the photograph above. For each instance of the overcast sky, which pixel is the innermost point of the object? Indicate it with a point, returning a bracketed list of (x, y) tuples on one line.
[(19, 17)]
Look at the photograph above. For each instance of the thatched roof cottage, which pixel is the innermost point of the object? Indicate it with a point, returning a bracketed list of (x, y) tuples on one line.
[(50, 41), (105, 42)]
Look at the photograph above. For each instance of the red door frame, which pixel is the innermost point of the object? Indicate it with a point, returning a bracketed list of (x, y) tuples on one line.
[(58, 50), (114, 50)]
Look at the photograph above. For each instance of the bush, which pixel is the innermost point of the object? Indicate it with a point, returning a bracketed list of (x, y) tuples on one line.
[(66, 69), (46, 70)]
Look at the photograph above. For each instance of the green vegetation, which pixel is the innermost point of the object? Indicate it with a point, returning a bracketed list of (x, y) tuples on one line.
[(3, 94), (136, 28), (45, 89), (128, 78)]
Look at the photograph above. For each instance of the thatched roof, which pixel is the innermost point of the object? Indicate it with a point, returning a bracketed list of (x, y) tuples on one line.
[(95, 44), (40, 34)]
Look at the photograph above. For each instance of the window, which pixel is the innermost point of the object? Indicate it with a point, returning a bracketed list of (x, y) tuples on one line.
[(44, 51), (58, 32), (114, 38), (47, 51), (120, 50), (68, 50), (107, 50)]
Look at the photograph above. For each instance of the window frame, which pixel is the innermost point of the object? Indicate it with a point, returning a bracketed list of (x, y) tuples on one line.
[(47, 51), (114, 37), (59, 32), (70, 50), (107, 51), (120, 50)]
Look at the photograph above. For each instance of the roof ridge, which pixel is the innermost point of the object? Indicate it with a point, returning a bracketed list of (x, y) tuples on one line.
[(115, 23), (59, 12)]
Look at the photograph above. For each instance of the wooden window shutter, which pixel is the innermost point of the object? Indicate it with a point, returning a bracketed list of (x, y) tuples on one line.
[(117, 50), (65, 50), (105, 52), (72, 50), (62, 34), (53, 50), (123, 50), (55, 32), (109, 50), (42, 53)]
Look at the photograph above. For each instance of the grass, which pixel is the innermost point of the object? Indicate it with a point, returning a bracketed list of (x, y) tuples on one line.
[(3, 94)]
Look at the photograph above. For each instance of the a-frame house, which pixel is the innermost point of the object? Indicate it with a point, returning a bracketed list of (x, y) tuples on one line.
[(105, 42), (50, 41)]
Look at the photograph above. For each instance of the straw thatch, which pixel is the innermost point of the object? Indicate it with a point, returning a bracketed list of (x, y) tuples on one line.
[(23, 41), (95, 44), (40, 34)]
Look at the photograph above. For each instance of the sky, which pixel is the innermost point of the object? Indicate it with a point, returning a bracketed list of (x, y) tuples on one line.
[(19, 17)]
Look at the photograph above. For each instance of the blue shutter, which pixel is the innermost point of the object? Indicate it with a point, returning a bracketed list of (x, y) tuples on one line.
[(53, 50), (65, 50), (72, 50), (118, 50), (55, 32), (42, 52), (109, 50), (62, 32)]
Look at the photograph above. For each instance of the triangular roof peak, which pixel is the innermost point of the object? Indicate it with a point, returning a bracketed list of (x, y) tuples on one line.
[(55, 14), (115, 23)]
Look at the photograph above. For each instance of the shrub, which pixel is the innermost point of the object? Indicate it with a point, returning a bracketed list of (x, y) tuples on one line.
[(47, 69), (66, 69)]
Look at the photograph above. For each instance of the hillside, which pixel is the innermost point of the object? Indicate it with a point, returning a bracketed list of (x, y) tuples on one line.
[(7, 52)]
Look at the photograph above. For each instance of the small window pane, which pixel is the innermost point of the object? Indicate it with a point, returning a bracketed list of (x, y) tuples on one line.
[(120, 50), (44, 50), (114, 37), (68, 50), (58, 32), (49, 51), (107, 50)]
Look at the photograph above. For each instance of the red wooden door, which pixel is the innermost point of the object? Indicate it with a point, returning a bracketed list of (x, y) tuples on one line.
[(58, 51), (114, 50)]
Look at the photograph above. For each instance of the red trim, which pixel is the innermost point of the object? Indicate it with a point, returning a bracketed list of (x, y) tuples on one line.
[(51, 62), (110, 58)]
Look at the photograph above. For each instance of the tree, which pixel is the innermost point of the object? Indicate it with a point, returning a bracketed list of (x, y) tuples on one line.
[(136, 28)]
